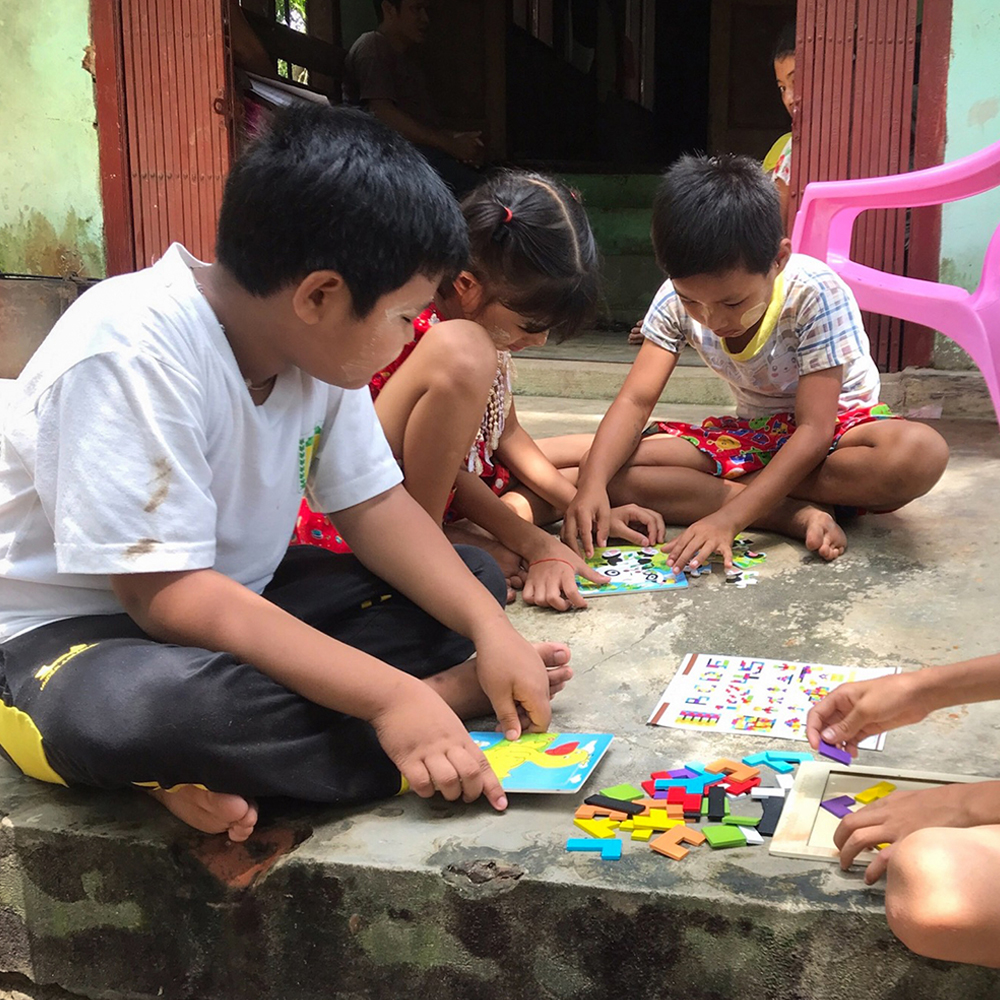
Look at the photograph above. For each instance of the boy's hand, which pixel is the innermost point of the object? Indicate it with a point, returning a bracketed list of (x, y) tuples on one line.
[(587, 517), (551, 581), (426, 740), (695, 546), (855, 711), (622, 518), (889, 820), (635, 334), (514, 678)]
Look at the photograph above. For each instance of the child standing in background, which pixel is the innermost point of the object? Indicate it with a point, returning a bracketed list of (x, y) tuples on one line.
[(446, 403), (784, 74)]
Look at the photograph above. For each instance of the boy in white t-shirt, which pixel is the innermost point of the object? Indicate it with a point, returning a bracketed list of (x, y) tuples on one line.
[(153, 631), (786, 334)]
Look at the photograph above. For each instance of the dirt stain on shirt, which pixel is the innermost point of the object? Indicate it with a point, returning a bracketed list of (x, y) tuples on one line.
[(141, 548), (161, 484)]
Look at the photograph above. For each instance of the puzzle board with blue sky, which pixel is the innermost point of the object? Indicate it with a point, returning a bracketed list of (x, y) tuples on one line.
[(753, 696), (543, 762)]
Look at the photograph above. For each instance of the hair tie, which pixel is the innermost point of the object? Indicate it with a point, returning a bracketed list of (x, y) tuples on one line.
[(508, 214), (501, 227)]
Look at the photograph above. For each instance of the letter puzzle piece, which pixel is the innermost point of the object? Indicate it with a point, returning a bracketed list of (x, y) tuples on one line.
[(610, 850), (724, 836), (788, 756), (879, 791), (669, 843)]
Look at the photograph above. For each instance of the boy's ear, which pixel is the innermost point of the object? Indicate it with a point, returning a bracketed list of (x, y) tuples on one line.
[(784, 252), (318, 294)]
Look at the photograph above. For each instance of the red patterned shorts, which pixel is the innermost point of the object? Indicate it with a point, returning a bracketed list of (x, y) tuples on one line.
[(738, 445)]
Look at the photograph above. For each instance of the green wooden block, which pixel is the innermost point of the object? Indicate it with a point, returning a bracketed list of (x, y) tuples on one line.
[(625, 791), (719, 836), (741, 820)]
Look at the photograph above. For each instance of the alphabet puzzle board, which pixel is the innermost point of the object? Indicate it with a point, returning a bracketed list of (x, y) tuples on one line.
[(633, 569), (806, 831), (753, 696)]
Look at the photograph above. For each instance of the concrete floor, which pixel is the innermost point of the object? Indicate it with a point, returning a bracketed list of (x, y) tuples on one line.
[(107, 896)]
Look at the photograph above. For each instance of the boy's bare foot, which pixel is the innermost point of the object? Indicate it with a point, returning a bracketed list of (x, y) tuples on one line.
[(823, 535), (210, 812), (459, 685)]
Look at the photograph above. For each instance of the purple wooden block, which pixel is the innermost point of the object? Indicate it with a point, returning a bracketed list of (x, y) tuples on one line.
[(834, 753), (840, 806), (661, 794), (683, 772)]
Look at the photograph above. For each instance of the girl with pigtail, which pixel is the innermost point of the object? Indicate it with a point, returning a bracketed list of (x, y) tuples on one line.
[(446, 403)]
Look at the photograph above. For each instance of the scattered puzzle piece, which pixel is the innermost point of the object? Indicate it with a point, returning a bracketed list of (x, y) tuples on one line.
[(643, 835), (772, 813), (585, 812), (834, 753), (598, 828), (781, 766), (752, 836), (755, 759), (623, 791), (723, 836), (583, 844), (879, 791), (607, 803), (840, 806), (767, 793), (742, 787), (716, 804), (789, 756), (611, 850), (784, 781), (740, 820), (669, 843)]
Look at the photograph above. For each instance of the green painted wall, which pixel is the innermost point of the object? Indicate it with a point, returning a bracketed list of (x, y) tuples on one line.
[(50, 199), (973, 122)]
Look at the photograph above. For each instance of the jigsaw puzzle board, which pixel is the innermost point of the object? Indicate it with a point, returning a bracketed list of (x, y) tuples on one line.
[(632, 570), (753, 696), (806, 831), (543, 762)]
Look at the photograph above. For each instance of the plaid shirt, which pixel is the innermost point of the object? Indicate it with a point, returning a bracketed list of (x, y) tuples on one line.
[(812, 324)]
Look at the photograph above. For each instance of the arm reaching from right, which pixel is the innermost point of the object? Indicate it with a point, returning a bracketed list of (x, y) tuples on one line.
[(855, 711)]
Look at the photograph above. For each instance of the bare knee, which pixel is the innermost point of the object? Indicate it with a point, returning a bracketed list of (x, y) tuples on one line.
[(910, 461), (926, 902)]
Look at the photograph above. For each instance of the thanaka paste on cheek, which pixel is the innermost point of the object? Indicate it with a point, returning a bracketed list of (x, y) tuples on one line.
[(753, 314)]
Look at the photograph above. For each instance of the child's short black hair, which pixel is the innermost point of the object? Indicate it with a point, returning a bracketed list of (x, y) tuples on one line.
[(784, 45), (334, 189), (532, 248), (379, 13), (715, 214)]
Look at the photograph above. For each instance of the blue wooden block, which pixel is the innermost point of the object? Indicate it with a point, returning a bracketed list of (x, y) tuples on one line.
[(585, 844), (788, 755), (755, 759), (611, 850), (782, 767), (696, 766)]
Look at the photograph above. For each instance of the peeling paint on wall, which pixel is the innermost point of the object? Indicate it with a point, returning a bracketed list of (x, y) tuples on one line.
[(51, 219)]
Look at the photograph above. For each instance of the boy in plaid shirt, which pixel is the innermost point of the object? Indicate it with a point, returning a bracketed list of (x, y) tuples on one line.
[(809, 434)]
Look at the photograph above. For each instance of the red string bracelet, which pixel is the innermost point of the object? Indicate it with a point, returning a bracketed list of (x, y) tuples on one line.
[(552, 559)]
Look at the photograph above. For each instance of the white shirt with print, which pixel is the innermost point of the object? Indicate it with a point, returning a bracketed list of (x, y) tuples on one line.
[(131, 445), (813, 323)]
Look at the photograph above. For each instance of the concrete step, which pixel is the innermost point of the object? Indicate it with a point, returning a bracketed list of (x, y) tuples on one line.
[(921, 392)]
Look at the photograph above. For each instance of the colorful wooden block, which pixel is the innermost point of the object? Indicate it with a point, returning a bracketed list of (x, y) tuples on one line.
[(683, 772), (669, 843), (766, 793), (692, 803), (626, 825), (602, 829), (755, 759), (772, 813), (582, 844), (643, 835), (723, 836), (611, 850), (657, 820), (585, 812), (789, 756), (718, 804), (740, 820), (723, 766), (617, 817), (840, 806), (676, 796), (696, 766), (661, 776), (834, 753), (649, 787), (754, 839), (615, 805), (623, 791), (784, 781), (879, 791), (742, 787), (781, 766)]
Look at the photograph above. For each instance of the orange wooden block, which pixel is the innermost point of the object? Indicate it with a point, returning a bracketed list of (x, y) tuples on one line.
[(736, 769), (585, 812), (617, 817), (669, 843), (647, 804), (674, 812)]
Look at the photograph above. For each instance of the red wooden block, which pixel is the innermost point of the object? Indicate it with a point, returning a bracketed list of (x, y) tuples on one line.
[(692, 803), (741, 787), (662, 775), (676, 795), (649, 787)]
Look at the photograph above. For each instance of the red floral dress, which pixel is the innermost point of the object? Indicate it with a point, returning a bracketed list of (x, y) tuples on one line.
[(314, 528)]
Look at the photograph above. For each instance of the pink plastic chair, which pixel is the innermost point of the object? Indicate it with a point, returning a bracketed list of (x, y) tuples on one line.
[(823, 229)]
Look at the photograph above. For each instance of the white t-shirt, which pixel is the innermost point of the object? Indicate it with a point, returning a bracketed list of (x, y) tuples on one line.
[(813, 323), (131, 445)]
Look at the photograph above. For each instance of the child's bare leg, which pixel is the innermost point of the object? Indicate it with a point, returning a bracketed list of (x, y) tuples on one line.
[(943, 894), (567, 450), (880, 465), (459, 685), (210, 812), (685, 495), (432, 407)]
